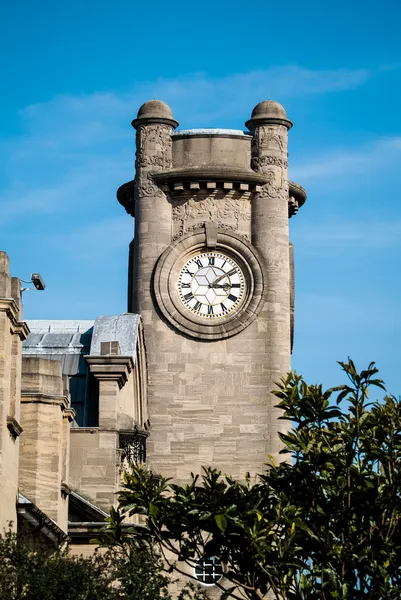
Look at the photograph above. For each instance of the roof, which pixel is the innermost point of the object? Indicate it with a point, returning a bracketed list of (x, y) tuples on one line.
[(81, 510), (70, 341), (66, 341), (211, 131), (36, 517), (122, 328)]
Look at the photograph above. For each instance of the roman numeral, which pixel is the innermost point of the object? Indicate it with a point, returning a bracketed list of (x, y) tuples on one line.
[(223, 308), (234, 285), (187, 285), (197, 305), (232, 298), (210, 310), (223, 264), (211, 261), (186, 270), (188, 296), (199, 263)]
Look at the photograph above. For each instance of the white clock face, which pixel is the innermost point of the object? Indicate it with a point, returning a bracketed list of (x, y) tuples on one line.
[(211, 285)]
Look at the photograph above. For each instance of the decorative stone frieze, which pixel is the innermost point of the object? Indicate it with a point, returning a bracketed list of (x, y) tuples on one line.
[(230, 211)]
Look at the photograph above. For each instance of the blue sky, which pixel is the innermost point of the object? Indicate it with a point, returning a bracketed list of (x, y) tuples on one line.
[(74, 75)]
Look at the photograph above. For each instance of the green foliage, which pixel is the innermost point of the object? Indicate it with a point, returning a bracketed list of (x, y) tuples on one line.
[(130, 570), (38, 575), (325, 525)]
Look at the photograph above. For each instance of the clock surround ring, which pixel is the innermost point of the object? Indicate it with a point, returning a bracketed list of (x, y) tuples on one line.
[(167, 295)]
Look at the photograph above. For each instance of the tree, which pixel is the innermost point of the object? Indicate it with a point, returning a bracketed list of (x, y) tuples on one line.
[(130, 570), (45, 575), (324, 524)]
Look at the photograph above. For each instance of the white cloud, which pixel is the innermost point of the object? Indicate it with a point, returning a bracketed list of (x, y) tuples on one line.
[(376, 154), (340, 235), (197, 97), (75, 149)]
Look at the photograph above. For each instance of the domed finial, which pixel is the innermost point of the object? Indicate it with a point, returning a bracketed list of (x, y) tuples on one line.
[(154, 111), (267, 112)]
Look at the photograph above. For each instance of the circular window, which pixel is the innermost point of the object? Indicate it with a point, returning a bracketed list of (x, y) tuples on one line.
[(208, 571)]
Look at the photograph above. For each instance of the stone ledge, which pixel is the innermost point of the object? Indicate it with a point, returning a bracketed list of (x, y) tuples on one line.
[(219, 174), (196, 180), (69, 413), (11, 308), (111, 368), (28, 397)]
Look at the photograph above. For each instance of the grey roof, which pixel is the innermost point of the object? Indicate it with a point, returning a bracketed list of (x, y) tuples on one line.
[(70, 341), (212, 131), (58, 337), (67, 341), (60, 326), (41, 520), (122, 328)]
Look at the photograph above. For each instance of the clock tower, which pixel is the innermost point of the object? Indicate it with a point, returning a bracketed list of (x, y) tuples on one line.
[(210, 272)]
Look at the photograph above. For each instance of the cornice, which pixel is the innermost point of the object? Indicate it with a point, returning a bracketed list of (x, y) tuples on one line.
[(194, 180), (11, 308), (111, 368), (34, 397), (298, 192), (216, 173), (69, 413)]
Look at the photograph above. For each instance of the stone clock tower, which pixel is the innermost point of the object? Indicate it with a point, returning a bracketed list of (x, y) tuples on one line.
[(210, 272)]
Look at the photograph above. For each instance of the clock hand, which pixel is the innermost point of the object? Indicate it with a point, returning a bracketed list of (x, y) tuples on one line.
[(219, 278), (224, 286)]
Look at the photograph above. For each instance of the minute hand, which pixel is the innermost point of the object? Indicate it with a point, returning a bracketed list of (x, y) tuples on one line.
[(219, 278)]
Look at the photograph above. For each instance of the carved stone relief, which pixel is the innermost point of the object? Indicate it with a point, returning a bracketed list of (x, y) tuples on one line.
[(146, 187), (266, 161), (154, 147), (274, 188), (292, 206), (269, 138), (230, 214), (269, 156)]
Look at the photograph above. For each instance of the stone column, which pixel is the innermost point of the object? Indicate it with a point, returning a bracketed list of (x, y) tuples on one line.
[(12, 333), (44, 408), (153, 214), (98, 476), (269, 126)]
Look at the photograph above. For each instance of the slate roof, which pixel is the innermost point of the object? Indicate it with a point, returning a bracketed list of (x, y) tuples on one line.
[(122, 328), (37, 518), (67, 341), (70, 341)]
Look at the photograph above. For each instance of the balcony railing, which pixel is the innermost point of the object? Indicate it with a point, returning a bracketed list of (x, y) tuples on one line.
[(132, 446)]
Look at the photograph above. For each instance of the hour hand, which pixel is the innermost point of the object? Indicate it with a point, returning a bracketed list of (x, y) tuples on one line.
[(224, 286)]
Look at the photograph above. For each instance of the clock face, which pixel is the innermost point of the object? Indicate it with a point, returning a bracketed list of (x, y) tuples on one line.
[(211, 285)]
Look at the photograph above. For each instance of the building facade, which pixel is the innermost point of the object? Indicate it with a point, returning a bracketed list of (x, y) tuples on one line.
[(184, 378)]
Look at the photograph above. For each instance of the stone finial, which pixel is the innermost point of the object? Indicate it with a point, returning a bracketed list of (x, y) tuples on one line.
[(268, 112), (154, 111)]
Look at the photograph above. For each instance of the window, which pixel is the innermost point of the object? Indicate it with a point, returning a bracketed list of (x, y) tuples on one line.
[(208, 571)]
